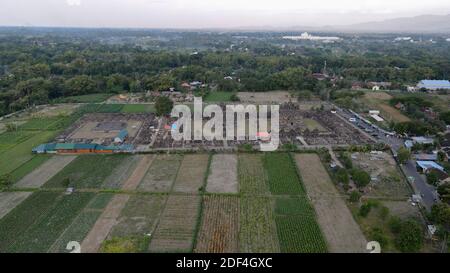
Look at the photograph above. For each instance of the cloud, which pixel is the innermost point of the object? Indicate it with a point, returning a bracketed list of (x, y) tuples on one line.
[(73, 2)]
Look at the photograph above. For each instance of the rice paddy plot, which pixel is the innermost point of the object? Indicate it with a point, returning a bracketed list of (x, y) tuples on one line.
[(87, 171), (40, 124), (28, 167)]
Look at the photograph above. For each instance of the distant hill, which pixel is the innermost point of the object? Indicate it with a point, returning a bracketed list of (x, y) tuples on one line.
[(418, 24)]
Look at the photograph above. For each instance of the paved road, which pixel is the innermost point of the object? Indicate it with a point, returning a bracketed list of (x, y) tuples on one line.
[(419, 184)]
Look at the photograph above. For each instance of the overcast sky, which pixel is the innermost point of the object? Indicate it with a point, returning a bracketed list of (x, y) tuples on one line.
[(209, 13)]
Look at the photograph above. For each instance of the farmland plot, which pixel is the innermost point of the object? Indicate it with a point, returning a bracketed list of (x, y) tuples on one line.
[(40, 236), (139, 216), (89, 171), (282, 176), (297, 227), (257, 233), (28, 167), (9, 200), (219, 231), (17, 221), (223, 175), (162, 173), (83, 223), (251, 173), (122, 172), (176, 229), (39, 176), (191, 174), (341, 231), (135, 225)]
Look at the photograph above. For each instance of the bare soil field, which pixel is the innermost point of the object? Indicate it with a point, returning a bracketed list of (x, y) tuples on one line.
[(191, 174), (219, 231), (341, 231), (403, 209), (161, 174), (56, 110), (265, 97), (89, 131), (9, 200), (176, 229), (251, 173), (387, 179), (223, 174), (43, 173)]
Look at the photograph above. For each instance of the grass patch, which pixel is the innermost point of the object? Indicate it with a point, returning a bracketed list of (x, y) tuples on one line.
[(132, 244), (110, 108), (14, 157), (218, 96), (138, 108)]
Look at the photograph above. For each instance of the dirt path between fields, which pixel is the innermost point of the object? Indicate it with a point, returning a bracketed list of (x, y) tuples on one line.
[(109, 217), (43, 173), (341, 231)]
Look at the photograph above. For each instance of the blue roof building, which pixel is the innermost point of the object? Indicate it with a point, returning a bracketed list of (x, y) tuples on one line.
[(428, 165), (434, 84), (120, 138)]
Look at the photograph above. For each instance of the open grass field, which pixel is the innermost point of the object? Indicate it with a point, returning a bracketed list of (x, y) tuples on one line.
[(341, 232), (218, 96), (223, 176), (40, 124), (110, 108), (314, 125), (138, 108), (257, 232), (282, 176), (10, 139), (251, 173), (40, 175), (264, 97), (380, 101), (191, 174), (219, 230), (161, 174), (14, 157), (87, 171), (176, 228)]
